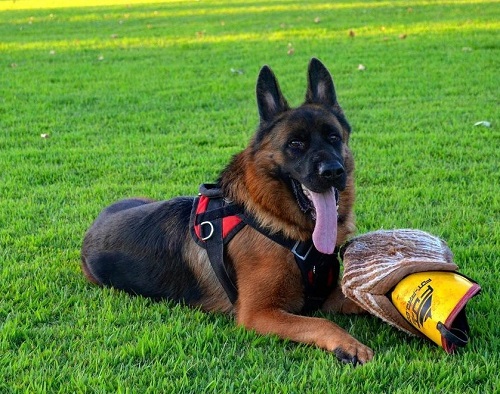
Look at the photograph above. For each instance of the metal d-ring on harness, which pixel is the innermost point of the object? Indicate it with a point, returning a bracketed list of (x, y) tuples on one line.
[(211, 232), (214, 221)]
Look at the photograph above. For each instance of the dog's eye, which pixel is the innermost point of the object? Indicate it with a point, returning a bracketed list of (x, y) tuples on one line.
[(333, 138), (297, 144)]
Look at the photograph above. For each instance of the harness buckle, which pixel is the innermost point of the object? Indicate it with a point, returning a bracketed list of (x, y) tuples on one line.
[(297, 254), (211, 230)]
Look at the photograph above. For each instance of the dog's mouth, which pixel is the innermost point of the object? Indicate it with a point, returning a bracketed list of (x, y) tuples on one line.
[(323, 209)]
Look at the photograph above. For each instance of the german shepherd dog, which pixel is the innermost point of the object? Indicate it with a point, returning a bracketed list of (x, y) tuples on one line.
[(295, 181)]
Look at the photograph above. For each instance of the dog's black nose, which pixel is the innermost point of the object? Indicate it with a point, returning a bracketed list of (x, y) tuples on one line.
[(331, 171)]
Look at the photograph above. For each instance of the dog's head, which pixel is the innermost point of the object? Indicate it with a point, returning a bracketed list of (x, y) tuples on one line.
[(306, 147)]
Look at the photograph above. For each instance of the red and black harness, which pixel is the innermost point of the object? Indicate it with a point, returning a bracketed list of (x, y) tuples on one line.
[(215, 221)]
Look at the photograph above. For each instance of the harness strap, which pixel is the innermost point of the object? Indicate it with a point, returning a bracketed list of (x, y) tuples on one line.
[(213, 242)]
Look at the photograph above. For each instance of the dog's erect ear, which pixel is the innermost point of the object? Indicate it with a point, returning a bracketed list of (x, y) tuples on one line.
[(270, 100), (320, 88)]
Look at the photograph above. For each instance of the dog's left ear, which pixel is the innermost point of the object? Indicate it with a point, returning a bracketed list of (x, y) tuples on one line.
[(320, 88)]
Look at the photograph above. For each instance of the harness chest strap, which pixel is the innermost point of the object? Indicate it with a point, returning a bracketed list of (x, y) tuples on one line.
[(215, 221)]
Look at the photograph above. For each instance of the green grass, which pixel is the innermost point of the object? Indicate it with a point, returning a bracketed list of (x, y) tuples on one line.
[(140, 99)]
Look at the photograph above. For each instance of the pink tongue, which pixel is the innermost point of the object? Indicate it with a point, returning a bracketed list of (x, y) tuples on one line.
[(325, 231)]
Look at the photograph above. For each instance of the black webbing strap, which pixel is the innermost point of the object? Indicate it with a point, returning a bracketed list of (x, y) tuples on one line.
[(454, 336), (214, 244)]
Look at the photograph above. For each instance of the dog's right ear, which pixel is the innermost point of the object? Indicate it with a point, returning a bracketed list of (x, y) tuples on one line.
[(270, 100)]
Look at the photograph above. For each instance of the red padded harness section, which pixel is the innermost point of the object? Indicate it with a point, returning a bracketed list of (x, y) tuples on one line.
[(228, 222)]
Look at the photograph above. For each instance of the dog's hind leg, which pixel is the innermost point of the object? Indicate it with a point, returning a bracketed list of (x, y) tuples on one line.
[(88, 274), (121, 205)]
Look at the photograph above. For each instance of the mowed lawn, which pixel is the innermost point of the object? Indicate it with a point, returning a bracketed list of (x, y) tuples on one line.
[(105, 100)]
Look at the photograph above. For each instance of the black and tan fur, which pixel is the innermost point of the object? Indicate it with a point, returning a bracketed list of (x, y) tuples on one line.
[(144, 247)]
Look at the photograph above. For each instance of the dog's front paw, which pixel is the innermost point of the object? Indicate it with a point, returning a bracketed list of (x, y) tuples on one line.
[(355, 354)]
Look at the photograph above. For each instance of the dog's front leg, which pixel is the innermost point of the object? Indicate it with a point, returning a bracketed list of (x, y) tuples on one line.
[(309, 330), (270, 288)]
